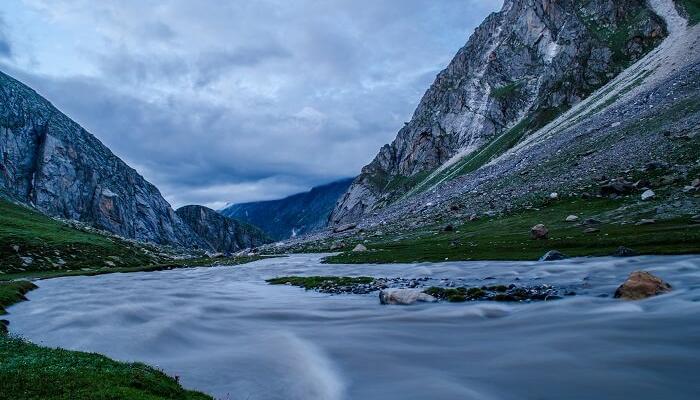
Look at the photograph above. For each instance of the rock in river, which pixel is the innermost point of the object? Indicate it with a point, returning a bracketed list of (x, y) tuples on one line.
[(404, 297), (641, 285)]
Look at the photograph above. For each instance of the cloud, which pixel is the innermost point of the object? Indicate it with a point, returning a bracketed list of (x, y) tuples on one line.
[(217, 102)]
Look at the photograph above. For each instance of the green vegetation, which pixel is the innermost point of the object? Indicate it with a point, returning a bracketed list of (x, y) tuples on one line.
[(507, 92), (457, 295), (692, 9), (29, 372), (320, 282), (508, 237), (11, 293)]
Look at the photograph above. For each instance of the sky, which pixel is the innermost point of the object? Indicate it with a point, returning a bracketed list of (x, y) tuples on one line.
[(220, 102)]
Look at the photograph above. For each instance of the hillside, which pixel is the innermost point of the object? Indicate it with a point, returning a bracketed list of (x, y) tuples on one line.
[(298, 214)]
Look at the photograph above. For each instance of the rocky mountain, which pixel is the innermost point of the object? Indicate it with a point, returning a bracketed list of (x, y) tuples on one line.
[(221, 233), (521, 69), (51, 162), (294, 215)]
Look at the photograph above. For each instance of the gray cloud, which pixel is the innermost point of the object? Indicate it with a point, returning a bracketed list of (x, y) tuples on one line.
[(215, 103)]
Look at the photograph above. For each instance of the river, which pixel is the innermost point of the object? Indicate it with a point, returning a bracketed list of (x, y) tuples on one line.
[(226, 332)]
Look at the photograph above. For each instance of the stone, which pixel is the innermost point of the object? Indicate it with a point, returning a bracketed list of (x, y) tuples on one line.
[(591, 230), (623, 251), (641, 285), (344, 228), (27, 261), (645, 221), (539, 232), (648, 194), (473, 217), (571, 218), (337, 246), (404, 297), (618, 187), (15, 248), (695, 183), (554, 195), (553, 255), (360, 248)]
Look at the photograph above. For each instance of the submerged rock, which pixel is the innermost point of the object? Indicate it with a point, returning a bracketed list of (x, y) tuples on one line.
[(553, 255), (404, 297), (641, 285)]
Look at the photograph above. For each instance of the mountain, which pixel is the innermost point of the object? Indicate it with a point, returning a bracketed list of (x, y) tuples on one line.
[(221, 233), (52, 163), (521, 69), (294, 215)]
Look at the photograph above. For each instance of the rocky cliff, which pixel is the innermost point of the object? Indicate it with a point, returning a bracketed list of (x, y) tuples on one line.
[(221, 233), (49, 161), (294, 215), (523, 67)]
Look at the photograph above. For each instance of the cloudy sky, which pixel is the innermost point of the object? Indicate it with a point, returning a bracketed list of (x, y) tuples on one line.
[(231, 101)]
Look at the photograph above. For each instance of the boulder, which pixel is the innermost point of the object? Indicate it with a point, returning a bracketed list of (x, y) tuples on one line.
[(539, 231), (404, 297), (618, 187), (695, 183), (646, 221), (571, 218), (641, 285), (648, 194), (554, 195), (360, 248), (553, 255), (344, 228), (337, 246), (473, 217), (623, 251), (591, 230)]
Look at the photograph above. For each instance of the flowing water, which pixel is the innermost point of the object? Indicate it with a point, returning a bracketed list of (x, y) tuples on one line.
[(226, 332)]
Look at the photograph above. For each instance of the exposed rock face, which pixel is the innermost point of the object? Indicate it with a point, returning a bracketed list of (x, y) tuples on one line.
[(48, 160), (523, 66), (221, 233), (294, 215), (641, 285)]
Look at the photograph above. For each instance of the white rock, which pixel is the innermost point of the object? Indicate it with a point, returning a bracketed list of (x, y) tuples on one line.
[(572, 218), (554, 195), (15, 247), (360, 248), (109, 263), (27, 261), (404, 297), (648, 194)]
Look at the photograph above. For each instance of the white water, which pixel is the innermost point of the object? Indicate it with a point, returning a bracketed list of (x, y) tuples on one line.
[(224, 331)]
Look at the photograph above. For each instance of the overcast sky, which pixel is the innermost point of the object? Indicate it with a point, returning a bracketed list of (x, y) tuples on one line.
[(231, 101)]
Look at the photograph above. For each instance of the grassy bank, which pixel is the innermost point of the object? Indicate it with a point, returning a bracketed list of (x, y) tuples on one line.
[(508, 237), (28, 371)]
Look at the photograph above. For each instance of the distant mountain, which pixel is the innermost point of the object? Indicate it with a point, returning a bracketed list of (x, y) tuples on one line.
[(221, 233), (294, 215)]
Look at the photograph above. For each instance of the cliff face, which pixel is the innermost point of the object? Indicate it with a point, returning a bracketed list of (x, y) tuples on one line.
[(219, 232), (521, 68), (294, 215), (48, 160)]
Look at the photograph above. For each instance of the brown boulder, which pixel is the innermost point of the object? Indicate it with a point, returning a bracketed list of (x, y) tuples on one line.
[(641, 285), (539, 231)]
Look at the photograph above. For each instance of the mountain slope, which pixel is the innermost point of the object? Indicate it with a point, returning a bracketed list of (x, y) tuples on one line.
[(221, 233), (294, 215), (523, 67), (49, 161)]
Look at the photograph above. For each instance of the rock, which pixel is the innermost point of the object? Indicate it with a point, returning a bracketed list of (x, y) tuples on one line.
[(344, 228), (591, 230), (648, 194), (554, 195), (110, 263), (571, 218), (592, 221), (222, 234), (448, 228), (646, 222), (404, 297), (27, 261), (473, 217), (695, 183), (553, 255), (618, 187), (641, 285), (15, 248), (624, 252), (688, 189), (337, 246), (539, 232), (359, 248)]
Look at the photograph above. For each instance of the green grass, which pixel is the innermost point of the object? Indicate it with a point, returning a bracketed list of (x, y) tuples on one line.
[(507, 91), (316, 282), (507, 237), (28, 371), (54, 245), (692, 8)]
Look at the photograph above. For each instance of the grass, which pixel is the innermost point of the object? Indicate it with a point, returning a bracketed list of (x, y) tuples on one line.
[(692, 8), (54, 245), (506, 92), (29, 372), (508, 238), (316, 282)]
